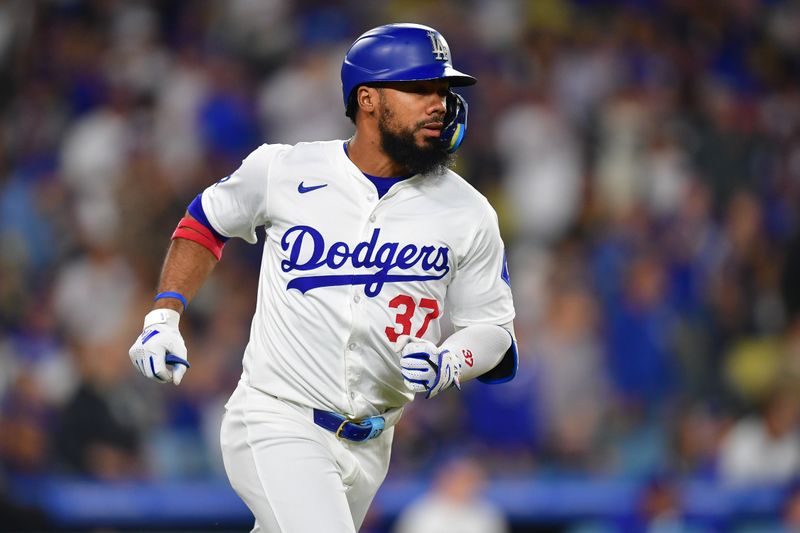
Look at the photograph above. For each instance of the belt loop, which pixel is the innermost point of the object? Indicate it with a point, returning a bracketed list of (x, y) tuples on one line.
[(377, 424)]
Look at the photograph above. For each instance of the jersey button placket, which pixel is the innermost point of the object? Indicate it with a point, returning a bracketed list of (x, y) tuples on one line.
[(353, 356), (350, 357)]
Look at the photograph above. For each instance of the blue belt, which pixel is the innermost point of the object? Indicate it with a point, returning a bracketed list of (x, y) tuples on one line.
[(344, 428)]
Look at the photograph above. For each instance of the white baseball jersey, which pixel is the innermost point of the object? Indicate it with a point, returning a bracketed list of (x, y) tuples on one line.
[(344, 273)]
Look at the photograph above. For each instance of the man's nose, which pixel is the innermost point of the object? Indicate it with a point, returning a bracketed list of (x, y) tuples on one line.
[(438, 105)]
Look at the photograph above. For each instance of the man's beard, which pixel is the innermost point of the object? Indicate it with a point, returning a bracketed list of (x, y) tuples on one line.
[(402, 148)]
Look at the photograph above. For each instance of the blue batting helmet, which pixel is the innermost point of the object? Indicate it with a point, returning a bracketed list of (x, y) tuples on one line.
[(406, 52)]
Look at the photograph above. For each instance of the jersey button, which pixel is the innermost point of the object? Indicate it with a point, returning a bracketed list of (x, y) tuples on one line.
[(356, 298), (352, 395), (351, 346), (370, 197), (372, 218)]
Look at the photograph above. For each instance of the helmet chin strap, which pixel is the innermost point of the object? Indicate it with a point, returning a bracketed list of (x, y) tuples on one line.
[(455, 122)]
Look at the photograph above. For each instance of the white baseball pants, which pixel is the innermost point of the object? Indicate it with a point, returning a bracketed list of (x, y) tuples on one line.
[(295, 476)]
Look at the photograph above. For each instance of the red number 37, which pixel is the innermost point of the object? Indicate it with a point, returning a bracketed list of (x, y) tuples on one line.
[(403, 318)]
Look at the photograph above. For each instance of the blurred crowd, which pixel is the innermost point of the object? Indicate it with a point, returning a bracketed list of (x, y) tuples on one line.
[(643, 156)]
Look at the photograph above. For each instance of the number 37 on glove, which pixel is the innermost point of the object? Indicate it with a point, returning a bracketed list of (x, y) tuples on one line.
[(425, 367)]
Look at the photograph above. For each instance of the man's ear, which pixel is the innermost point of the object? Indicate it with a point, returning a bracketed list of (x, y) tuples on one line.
[(367, 98)]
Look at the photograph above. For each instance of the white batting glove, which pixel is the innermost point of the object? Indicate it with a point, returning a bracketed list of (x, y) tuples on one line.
[(427, 368), (159, 352)]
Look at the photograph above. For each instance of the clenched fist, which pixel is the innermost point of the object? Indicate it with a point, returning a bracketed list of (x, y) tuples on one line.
[(427, 368), (159, 352)]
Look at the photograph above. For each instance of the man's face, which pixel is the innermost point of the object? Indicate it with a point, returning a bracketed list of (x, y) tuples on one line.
[(410, 121)]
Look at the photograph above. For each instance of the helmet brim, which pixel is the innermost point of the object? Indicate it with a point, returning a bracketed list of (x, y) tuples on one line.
[(457, 78), (424, 73)]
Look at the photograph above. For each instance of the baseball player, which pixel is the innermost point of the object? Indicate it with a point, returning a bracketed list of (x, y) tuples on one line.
[(369, 241)]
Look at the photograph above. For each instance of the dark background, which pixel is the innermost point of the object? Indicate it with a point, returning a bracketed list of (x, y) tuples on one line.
[(643, 157)]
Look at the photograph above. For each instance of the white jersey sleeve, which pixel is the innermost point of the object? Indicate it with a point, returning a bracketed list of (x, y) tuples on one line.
[(237, 205), (480, 293)]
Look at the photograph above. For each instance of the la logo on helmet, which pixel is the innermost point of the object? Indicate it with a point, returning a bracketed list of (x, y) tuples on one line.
[(439, 49)]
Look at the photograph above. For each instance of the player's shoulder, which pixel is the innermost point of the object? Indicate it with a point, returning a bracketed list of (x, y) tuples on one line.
[(264, 156), (310, 151), (269, 150)]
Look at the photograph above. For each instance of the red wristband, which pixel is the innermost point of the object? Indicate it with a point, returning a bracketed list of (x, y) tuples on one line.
[(190, 229)]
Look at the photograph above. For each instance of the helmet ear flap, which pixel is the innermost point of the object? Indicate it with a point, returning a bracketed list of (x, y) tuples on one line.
[(455, 122)]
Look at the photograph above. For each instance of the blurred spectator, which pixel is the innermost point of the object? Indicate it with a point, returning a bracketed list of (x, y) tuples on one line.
[(764, 448), (227, 117), (100, 429), (31, 218), (624, 127), (37, 375), (571, 382), (696, 441), (263, 31), (93, 158), (658, 509), (27, 417), (299, 103), (725, 144), (665, 175), (693, 243), (640, 329), (543, 173), (454, 504), (176, 136), (95, 294), (747, 272)]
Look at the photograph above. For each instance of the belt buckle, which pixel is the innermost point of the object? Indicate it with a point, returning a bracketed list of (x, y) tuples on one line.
[(376, 426), (341, 428)]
